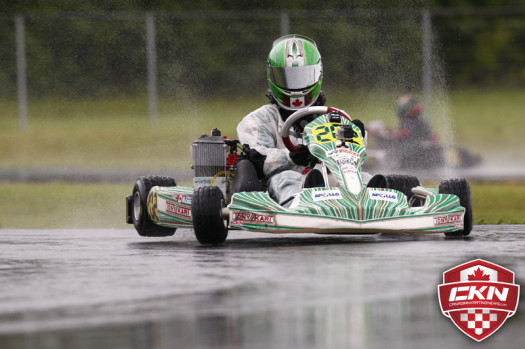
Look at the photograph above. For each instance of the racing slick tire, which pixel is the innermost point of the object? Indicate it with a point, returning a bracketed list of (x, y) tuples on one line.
[(461, 189), (141, 219), (206, 211), (402, 183)]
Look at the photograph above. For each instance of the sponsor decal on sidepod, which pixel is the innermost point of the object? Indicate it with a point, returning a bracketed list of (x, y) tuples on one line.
[(333, 194), (383, 195), (185, 199), (178, 210), (449, 219), (240, 218)]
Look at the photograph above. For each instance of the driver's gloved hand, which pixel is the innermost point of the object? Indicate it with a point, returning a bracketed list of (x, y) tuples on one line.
[(303, 157), (361, 126)]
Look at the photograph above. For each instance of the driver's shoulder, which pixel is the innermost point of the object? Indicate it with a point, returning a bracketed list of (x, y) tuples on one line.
[(267, 113)]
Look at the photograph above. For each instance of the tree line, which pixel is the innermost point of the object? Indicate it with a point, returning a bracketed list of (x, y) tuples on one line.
[(100, 49)]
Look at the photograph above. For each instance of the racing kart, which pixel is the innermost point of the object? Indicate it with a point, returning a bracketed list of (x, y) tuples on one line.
[(227, 193), (387, 153)]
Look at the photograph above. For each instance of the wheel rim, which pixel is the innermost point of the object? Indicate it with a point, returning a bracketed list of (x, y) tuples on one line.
[(225, 222), (136, 206)]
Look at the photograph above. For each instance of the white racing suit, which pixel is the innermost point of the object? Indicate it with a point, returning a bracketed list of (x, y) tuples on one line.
[(261, 130)]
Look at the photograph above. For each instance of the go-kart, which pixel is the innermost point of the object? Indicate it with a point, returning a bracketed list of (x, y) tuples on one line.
[(338, 202), (409, 154)]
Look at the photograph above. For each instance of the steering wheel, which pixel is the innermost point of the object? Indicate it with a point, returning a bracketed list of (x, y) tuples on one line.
[(301, 114)]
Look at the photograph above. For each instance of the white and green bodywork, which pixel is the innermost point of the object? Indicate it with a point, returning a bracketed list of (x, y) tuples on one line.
[(347, 207)]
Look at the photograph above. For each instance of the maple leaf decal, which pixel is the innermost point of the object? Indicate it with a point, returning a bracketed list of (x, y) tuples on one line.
[(297, 103), (478, 275)]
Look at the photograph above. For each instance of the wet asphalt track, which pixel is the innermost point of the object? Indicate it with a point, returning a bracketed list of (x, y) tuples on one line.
[(114, 289)]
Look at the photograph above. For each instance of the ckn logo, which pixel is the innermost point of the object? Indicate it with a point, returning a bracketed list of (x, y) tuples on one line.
[(478, 297)]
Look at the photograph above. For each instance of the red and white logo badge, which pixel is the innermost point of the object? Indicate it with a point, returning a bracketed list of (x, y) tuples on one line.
[(478, 297)]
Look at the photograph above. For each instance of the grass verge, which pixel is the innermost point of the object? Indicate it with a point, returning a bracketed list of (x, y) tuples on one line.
[(67, 205), (63, 205), (116, 132)]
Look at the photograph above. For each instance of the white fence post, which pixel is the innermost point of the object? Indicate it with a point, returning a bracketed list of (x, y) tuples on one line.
[(427, 60), (21, 78), (285, 23), (151, 50)]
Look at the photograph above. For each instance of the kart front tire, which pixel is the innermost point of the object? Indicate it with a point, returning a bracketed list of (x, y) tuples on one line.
[(402, 183), (206, 210), (141, 219), (461, 189)]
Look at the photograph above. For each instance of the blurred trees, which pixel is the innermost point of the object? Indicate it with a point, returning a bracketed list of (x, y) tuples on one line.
[(483, 47), (91, 48)]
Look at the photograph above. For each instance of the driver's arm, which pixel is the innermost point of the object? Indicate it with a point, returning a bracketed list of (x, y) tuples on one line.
[(260, 130)]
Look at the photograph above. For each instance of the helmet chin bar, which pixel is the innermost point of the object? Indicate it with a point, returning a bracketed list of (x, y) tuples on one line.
[(306, 94), (301, 113)]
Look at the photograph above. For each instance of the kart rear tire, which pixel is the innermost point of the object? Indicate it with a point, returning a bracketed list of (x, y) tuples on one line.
[(206, 210), (141, 219), (461, 189), (403, 183)]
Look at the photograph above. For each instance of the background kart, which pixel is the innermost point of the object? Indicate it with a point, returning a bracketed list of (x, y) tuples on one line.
[(228, 195), (387, 153)]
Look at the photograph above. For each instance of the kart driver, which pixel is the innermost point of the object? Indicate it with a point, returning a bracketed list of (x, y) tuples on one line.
[(295, 73), (411, 124), (414, 139)]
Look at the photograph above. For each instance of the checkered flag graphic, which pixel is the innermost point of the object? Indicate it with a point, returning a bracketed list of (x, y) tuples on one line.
[(478, 320)]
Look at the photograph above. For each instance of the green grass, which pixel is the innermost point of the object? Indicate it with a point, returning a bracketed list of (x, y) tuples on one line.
[(498, 203), (110, 133), (491, 122), (116, 133), (63, 205), (67, 205)]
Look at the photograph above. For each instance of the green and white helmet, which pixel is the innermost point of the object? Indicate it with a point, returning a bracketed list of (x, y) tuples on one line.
[(295, 72)]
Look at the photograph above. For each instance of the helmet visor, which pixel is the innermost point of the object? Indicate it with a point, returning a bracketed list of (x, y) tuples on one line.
[(296, 78)]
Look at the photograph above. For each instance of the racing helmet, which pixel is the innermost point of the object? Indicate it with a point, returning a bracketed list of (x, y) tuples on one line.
[(294, 72), (408, 106)]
